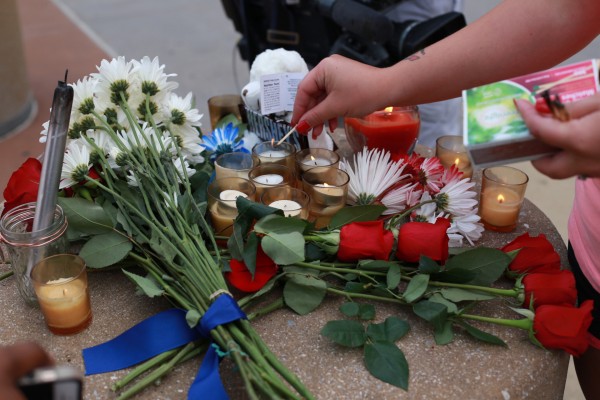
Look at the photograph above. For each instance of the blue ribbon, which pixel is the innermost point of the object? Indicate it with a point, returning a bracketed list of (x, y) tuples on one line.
[(166, 331)]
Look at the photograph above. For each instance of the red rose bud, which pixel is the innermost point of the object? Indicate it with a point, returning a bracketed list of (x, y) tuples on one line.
[(422, 238), (550, 288), (564, 327), (23, 185), (536, 254), (242, 279), (365, 240)]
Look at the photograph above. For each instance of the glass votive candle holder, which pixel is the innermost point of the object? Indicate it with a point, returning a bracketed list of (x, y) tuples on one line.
[(223, 105), (292, 201), (450, 150), (327, 188), (272, 153), (222, 196), (61, 285), (235, 165), (269, 176), (310, 158), (502, 194)]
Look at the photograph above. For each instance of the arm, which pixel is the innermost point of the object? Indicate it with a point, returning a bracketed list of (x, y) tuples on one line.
[(516, 37)]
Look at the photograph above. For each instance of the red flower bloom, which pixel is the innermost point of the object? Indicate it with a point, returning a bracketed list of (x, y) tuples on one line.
[(365, 240), (23, 185), (422, 238), (550, 288), (242, 279), (536, 254), (564, 327)]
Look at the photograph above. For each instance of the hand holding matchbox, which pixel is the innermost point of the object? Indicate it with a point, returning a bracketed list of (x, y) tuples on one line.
[(494, 132)]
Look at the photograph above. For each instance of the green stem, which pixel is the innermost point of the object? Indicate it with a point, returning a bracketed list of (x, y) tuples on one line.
[(365, 296), (523, 323), (277, 304), (486, 289), (6, 275)]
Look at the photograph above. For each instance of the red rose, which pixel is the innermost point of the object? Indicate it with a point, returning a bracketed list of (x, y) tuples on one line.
[(365, 240), (564, 327), (550, 288), (23, 185), (242, 279), (536, 254), (422, 238)]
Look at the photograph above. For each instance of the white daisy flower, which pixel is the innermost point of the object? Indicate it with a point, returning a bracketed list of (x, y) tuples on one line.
[(180, 167), (131, 179), (76, 165), (152, 79), (83, 97), (468, 226), (427, 212), (430, 175), (456, 198), (114, 77), (179, 114), (399, 199), (372, 174)]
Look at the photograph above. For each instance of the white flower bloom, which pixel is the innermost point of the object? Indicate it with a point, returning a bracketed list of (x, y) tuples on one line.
[(373, 173), (468, 226), (179, 166), (427, 212), (250, 139), (101, 140), (152, 79), (180, 114), (44, 132), (131, 179), (456, 198), (145, 138), (114, 77), (399, 199), (76, 165), (83, 97)]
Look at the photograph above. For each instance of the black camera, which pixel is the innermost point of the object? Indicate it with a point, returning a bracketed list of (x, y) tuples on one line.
[(60, 382), (357, 29)]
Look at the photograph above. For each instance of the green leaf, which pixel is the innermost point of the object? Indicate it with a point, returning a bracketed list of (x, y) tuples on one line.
[(285, 248), (147, 285), (199, 183), (192, 318), (304, 293), (481, 335), (487, 263), (435, 313), (457, 294), (279, 224), (354, 287), (366, 312), (450, 306), (428, 265), (416, 287), (345, 333), (162, 247), (350, 309), (85, 216), (235, 243), (228, 119), (355, 214), (250, 251), (387, 363), (393, 276), (104, 250), (390, 330), (375, 265), (443, 334), (455, 275)]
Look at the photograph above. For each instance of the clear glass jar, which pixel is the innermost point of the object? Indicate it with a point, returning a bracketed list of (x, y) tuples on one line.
[(26, 247)]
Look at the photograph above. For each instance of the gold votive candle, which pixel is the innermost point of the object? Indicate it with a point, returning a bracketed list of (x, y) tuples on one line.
[(311, 158), (222, 197), (223, 105), (269, 176), (450, 150), (502, 194), (327, 188), (293, 202), (61, 286), (235, 165), (272, 153)]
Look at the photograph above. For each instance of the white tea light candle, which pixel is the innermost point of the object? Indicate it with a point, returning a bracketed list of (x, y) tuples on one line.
[(290, 208), (268, 179)]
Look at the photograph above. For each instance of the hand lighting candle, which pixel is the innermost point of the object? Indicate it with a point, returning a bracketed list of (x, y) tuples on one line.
[(61, 286), (394, 129), (222, 196), (502, 194), (327, 188), (451, 150)]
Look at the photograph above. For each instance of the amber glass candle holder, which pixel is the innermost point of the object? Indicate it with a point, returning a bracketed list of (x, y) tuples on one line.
[(270, 176), (292, 201), (223, 105), (222, 196), (272, 153), (61, 286), (327, 188), (235, 165), (502, 195), (450, 150), (311, 158)]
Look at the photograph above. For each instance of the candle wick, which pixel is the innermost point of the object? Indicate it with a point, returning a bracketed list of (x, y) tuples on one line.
[(66, 74)]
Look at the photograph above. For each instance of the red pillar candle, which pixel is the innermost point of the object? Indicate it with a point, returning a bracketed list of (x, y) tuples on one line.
[(394, 129)]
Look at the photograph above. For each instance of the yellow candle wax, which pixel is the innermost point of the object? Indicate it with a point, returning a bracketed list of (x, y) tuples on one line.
[(64, 303), (500, 206)]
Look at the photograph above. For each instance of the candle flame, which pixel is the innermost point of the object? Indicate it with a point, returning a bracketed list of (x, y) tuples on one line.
[(65, 292), (389, 109), (501, 199), (457, 161), (313, 159), (326, 184)]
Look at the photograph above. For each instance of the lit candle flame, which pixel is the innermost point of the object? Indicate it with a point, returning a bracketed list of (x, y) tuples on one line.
[(313, 159), (65, 292), (457, 161), (389, 109), (500, 199), (325, 184)]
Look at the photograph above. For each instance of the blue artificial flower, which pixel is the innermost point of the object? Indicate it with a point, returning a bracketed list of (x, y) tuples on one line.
[(224, 140)]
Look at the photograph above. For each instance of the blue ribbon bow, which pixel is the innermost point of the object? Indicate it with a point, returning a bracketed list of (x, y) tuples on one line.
[(166, 331)]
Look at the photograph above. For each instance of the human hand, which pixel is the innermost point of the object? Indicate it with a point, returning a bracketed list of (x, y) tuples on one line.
[(577, 140), (336, 87), (16, 361)]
